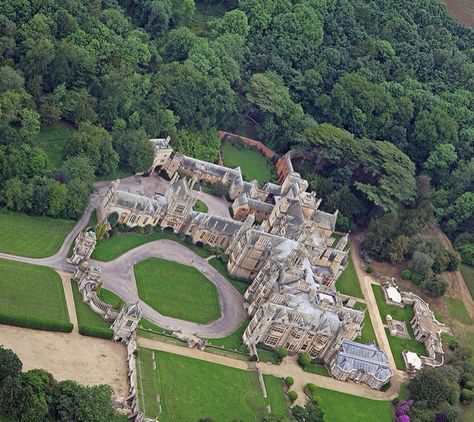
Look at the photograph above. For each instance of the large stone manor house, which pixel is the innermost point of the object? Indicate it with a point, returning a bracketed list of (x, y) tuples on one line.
[(277, 239)]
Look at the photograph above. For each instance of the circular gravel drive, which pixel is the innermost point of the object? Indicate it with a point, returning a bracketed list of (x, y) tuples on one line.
[(118, 276)]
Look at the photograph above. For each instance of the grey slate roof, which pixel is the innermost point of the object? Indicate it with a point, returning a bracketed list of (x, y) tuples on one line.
[(139, 202), (369, 358), (223, 225)]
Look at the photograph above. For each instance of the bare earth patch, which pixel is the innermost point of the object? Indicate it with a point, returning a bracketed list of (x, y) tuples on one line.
[(87, 360)]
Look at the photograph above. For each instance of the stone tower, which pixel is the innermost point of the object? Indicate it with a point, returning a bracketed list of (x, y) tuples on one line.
[(126, 322)]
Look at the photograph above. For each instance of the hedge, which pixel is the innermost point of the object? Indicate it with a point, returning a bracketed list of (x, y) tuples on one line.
[(36, 324), (87, 330)]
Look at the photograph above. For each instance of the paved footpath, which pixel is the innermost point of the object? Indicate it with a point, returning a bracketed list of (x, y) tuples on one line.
[(119, 277), (289, 367), (378, 324)]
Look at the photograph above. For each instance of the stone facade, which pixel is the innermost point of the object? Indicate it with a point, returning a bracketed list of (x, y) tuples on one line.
[(84, 245), (126, 322), (278, 239), (361, 363)]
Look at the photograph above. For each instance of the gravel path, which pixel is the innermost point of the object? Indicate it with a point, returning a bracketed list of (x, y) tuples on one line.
[(119, 277)]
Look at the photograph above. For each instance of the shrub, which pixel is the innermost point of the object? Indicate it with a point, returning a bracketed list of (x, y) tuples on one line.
[(87, 330), (292, 395), (35, 324), (466, 395), (469, 385), (369, 269), (417, 278), (311, 387), (148, 229), (406, 275), (453, 344), (289, 381), (281, 353), (304, 360), (113, 219)]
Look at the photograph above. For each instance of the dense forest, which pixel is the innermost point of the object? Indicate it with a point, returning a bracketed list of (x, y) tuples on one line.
[(379, 92)]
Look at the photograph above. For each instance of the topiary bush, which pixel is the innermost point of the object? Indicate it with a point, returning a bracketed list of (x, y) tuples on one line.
[(281, 353), (304, 360), (311, 387), (63, 327), (406, 275), (289, 381), (293, 395), (87, 330)]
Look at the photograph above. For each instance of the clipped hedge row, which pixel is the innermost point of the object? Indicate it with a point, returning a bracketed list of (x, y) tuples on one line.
[(87, 330), (36, 324)]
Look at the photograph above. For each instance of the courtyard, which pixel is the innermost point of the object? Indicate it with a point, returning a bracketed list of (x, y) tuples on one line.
[(31, 293), (31, 236), (191, 389), (397, 345), (177, 290)]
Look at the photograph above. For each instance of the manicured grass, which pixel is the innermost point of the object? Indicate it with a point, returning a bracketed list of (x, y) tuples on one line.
[(402, 314), (85, 315), (267, 356), (341, 407), (254, 165), (191, 389), (177, 290), (240, 285), (348, 282), (147, 325), (399, 344), (53, 140), (368, 334), (200, 206), (457, 310), (112, 247), (31, 291), (32, 236), (109, 297), (468, 275), (317, 368), (232, 341)]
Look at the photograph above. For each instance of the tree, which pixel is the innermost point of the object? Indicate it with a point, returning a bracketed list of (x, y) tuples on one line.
[(10, 364), (312, 412), (135, 150), (289, 381), (292, 395), (466, 395), (434, 386), (440, 160), (436, 286), (421, 264), (203, 146), (100, 230), (281, 353), (95, 143)]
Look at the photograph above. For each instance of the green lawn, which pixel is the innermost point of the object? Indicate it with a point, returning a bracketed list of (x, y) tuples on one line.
[(399, 344), (191, 389), (368, 334), (317, 368), (402, 314), (85, 315), (147, 325), (340, 407), (468, 275), (34, 237), (112, 247), (177, 290), (240, 285), (53, 140), (31, 291), (348, 282), (254, 165), (110, 297), (457, 310), (232, 341), (200, 206)]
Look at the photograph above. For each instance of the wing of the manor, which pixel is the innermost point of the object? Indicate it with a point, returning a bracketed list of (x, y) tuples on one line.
[(276, 237)]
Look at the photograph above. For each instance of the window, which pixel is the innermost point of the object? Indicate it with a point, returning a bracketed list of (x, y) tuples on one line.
[(202, 235), (212, 238), (222, 241), (271, 341), (277, 329), (179, 209), (145, 220), (304, 347), (132, 219), (295, 334)]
